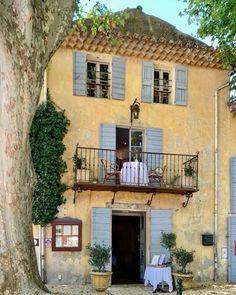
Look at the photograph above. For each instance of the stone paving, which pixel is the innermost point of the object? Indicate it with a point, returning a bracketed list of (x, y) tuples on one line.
[(139, 290)]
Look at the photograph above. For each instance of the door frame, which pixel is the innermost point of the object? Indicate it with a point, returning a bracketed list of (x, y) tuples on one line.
[(141, 214)]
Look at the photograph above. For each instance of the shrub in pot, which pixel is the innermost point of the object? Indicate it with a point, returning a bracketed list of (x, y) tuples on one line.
[(82, 173), (100, 256), (168, 241), (182, 258)]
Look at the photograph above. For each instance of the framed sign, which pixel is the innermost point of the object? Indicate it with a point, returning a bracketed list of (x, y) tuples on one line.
[(66, 234)]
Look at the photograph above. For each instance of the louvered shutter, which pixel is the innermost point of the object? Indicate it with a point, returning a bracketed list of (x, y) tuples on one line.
[(233, 183), (147, 81), (101, 227), (118, 78), (181, 85), (108, 143), (154, 145), (79, 73), (161, 221), (231, 249)]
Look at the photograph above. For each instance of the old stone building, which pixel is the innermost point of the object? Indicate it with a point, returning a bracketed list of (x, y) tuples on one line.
[(153, 106)]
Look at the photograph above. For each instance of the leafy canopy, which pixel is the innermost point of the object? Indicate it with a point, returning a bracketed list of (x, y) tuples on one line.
[(46, 140), (99, 19), (216, 18)]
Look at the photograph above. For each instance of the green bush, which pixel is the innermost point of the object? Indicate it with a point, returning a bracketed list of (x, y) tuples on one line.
[(168, 241), (189, 170), (183, 258), (99, 256), (48, 129)]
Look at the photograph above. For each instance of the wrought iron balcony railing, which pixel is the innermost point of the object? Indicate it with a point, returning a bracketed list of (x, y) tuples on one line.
[(123, 168)]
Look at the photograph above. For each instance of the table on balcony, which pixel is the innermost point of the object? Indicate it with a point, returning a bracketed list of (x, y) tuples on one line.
[(134, 173), (156, 275)]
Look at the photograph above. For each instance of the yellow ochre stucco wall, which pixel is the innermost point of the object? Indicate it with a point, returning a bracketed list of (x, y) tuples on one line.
[(186, 129)]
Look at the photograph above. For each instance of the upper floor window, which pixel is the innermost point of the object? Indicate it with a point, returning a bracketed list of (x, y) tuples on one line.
[(98, 75), (98, 81), (162, 87), (157, 84)]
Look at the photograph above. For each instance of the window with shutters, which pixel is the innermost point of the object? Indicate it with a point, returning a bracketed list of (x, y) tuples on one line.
[(162, 87), (98, 79)]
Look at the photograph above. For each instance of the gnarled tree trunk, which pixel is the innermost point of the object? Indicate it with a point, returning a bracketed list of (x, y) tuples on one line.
[(30, 32)]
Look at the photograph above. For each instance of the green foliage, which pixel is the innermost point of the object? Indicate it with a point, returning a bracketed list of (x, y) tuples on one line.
[(99, 256), (79, 163), (46, 139), (99, 19), (183, 258), (168, 241), (216, 18), (189, 170)]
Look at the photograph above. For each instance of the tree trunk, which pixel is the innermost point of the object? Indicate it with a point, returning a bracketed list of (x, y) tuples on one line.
[(30, 33)]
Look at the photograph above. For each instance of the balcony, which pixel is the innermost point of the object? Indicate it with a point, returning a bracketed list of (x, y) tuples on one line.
[(115, 170)]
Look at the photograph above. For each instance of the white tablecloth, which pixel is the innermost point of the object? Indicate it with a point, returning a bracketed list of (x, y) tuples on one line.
[(134, 173), (155, 275)]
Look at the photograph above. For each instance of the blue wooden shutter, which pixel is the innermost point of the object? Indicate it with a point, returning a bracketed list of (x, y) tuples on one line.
[(233, 183), (101, 227), (79, 73), (147, 81), (161, 221), (118, 78), (108, 142), (231, 249), (108, 136), (154, 145), (181, 85)]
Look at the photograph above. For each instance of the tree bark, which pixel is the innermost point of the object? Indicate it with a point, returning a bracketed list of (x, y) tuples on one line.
[(30, 33)]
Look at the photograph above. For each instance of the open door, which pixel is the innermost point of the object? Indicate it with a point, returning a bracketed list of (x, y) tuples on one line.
[(128, 247), (142, 245)]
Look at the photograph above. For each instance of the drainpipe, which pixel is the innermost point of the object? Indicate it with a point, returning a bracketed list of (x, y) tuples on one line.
[(216, 168), (40, 251), (43, 254)]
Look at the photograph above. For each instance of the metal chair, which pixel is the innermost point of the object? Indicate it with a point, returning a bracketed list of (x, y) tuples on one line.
[(157, 175), (110, 171)]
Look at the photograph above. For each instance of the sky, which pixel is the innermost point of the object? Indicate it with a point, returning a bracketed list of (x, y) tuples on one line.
[(167, 10)]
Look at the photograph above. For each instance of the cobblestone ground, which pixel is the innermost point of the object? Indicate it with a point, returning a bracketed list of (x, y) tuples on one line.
[(139, 290)]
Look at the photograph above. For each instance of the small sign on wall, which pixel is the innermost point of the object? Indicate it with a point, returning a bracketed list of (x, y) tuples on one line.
[(48, 243), (36, 242), (224, 253)]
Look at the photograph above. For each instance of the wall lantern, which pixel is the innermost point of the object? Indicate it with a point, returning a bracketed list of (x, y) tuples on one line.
[(134, 110)]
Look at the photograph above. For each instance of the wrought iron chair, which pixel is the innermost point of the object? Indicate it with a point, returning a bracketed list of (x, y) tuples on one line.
[(157, 175), (110, 171)]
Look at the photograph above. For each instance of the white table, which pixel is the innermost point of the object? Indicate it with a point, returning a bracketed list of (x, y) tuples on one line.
[(134, 173), (155, 275)]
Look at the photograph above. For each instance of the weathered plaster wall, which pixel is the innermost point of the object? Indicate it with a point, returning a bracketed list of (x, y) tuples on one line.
[(186, 129)]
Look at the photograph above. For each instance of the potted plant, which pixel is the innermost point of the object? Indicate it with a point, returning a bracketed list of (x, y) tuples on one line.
[(189, 170), (168, 241), (80, 166), (100, 256), (182, 258), (189, 174)]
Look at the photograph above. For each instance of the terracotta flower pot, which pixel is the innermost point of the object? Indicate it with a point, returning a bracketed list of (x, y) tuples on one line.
[(187, 279), (100, 280)]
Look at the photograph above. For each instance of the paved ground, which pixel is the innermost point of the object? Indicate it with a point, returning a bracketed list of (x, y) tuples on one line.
[(139, 290)]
